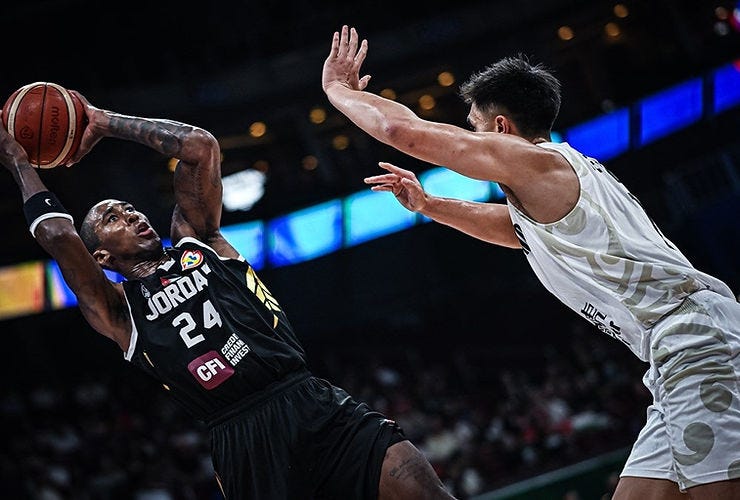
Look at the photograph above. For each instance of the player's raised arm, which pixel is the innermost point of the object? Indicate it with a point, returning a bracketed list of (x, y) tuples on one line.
[(197, 179), (502, 146), (489, 222), (100, 300), (479, 155)]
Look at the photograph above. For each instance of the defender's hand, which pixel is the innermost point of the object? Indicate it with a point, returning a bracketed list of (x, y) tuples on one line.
[(402, 183), (346, 56)]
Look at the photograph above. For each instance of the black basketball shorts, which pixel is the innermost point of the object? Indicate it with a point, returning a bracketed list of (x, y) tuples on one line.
[(305, 439)]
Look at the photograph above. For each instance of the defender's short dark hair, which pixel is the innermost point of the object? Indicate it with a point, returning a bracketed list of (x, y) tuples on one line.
[(530, 94)]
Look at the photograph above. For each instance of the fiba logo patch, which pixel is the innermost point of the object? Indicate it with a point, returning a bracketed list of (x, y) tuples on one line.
[(191, 259), (210, 370)]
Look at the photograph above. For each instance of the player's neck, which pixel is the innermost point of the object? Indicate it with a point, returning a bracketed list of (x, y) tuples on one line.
[(144, 268)]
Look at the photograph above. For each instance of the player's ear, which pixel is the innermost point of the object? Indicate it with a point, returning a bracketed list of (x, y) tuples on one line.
[(501, 124), (505, 125), (103, 257)]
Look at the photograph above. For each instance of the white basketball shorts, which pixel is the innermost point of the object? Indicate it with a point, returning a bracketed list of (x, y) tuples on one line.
[(692, 434)]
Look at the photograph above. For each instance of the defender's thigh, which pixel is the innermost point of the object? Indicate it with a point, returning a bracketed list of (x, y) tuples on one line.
[(641, 488), (726, 490)]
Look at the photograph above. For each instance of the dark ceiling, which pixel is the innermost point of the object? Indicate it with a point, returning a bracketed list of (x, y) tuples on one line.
[(224, 64), (102, 47)]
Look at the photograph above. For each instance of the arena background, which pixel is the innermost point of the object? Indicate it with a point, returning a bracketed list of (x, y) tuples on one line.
[(508, 393)]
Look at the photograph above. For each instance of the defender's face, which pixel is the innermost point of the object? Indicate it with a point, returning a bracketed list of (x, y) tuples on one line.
[(124, 231), (479, 121), (493, 118)]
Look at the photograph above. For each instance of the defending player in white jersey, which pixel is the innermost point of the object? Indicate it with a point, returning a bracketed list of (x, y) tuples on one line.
[(591, 244)]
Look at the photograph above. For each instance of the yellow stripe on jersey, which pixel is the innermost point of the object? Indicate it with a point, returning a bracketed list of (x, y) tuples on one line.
[(149, 360), (255, 285)]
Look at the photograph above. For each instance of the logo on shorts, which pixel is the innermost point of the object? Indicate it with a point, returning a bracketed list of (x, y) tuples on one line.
[(210, 370), (191, 259)]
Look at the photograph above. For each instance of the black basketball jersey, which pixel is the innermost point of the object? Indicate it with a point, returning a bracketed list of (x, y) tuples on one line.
[(209, 330)]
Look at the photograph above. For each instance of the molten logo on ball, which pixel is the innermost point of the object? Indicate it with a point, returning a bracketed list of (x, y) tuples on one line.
[(54, 126)]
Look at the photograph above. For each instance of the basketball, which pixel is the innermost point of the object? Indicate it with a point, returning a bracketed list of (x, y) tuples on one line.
[(47, 120)]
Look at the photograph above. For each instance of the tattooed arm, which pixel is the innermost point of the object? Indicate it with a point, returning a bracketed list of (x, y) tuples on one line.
[(197, 180)]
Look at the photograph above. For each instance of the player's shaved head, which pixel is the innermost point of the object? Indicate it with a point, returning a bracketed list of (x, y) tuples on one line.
[(87, 228)]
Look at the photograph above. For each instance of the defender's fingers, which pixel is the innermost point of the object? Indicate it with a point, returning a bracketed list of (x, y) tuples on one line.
[(362, 83), (396, 170), (343, 41), (382, 178), (361, 54), (334, 45), (352, 50)]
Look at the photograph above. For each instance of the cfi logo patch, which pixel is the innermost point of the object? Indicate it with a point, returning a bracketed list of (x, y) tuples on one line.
[(191, 259), (210, 370)]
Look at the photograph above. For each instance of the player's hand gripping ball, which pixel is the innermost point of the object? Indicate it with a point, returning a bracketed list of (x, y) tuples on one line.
[(47, 120)]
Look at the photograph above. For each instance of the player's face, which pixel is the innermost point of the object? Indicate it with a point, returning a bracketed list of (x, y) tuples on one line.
[(124, 231), (492, 119), (480, 121)]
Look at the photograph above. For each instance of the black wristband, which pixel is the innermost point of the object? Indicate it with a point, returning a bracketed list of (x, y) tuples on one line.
[(42, 206)]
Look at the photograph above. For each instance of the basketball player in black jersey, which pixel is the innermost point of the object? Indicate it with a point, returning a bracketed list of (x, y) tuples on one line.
[(198, 319)]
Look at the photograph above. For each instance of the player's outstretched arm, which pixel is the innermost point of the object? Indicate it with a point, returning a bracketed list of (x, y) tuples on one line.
[(489, 222), (197, 180), (480, 155), (101, 301)]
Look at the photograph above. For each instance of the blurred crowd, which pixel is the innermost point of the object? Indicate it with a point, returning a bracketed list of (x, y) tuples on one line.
[(484, 416)]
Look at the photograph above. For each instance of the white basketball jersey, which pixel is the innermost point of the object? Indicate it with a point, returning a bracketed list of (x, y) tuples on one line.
[(607, 260)]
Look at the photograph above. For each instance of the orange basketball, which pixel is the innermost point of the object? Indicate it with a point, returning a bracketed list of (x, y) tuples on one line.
[(47, 120)]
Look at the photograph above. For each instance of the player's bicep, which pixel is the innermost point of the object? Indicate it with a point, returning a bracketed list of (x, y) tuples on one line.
[(478, 155), (197, 184)]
